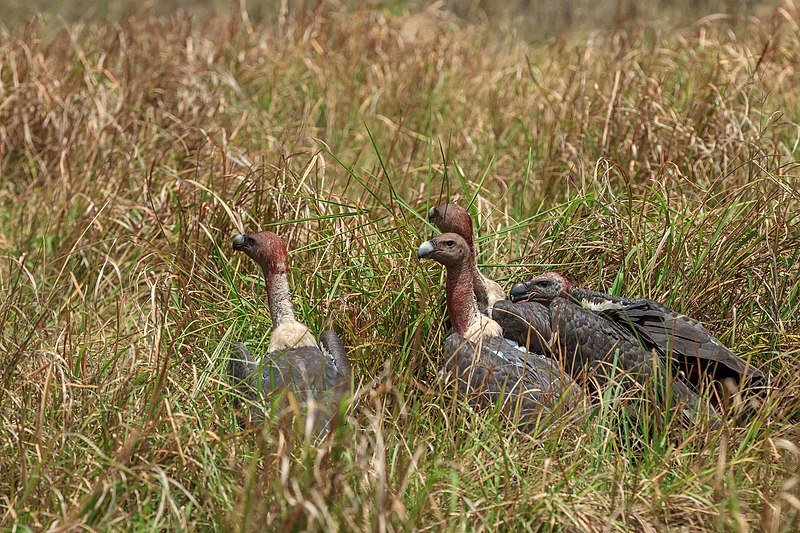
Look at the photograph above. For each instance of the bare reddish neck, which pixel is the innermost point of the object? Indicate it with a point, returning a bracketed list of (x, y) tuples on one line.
[(461, 304)]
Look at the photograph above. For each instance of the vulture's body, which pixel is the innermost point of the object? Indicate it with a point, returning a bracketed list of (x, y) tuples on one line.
[(494, 370), (315, 375), (654, 326), (589, 345)]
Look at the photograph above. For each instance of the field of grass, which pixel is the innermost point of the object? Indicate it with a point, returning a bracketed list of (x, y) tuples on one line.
[(656, 161)]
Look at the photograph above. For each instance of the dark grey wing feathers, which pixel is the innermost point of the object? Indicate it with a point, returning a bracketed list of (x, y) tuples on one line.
[(588, 341), (526, 323), (668, 332), (306, 371), (245, 370), (591, 343), (689, 339), (496, 371), (331, 343), (253, 380)]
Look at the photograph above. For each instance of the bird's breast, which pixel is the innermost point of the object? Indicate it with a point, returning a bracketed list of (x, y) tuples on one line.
[(291, 334)]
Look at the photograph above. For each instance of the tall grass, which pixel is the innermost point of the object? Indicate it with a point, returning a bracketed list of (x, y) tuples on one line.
[(654, 161)]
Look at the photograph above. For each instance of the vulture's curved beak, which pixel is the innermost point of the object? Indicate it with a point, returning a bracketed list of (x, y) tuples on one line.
[(519, 292), (425, 249), (240, 242), (432, 214)]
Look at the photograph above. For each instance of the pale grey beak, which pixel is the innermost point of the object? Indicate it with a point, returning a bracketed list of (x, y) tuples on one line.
[(432, 213), (425, 249)]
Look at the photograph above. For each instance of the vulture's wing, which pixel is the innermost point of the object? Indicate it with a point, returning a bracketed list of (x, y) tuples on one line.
[(254, 380), (526, 323), (588, 340), (496, 370), (670, 333), (333, 345), (679, 336), (294, 367)]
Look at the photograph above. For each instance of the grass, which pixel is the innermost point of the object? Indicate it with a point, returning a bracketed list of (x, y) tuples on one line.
[(653, 161)]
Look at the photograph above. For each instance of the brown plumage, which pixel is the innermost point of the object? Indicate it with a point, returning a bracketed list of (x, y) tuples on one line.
[(489, 368), (316, 374)]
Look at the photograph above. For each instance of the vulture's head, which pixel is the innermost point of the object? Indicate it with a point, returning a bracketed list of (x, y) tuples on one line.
[(452, 218), (449, 249), (542, 288), (265, 248)]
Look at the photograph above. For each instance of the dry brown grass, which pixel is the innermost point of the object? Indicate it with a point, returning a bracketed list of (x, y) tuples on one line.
[(654, 161)]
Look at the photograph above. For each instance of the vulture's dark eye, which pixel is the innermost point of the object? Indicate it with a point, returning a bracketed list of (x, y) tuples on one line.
[(449, 244)]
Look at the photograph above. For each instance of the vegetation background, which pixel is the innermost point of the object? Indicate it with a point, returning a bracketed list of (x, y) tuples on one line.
[(643, 148)]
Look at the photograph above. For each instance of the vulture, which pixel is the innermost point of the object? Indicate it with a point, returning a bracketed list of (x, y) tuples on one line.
[(514, 319), (452, 218), (489, 368), (589, 345), (315, 374), (675, 337)]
